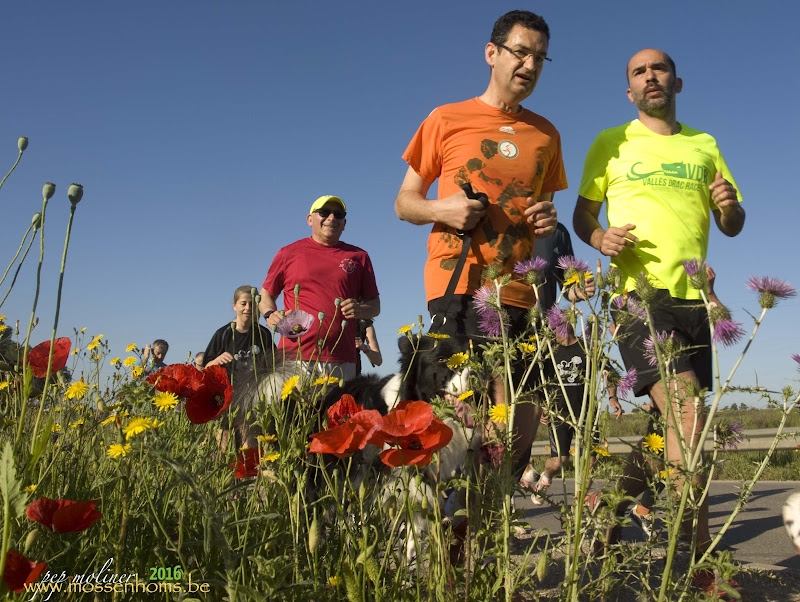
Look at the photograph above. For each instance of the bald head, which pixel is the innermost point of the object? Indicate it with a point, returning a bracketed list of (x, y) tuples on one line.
[(648, 56)]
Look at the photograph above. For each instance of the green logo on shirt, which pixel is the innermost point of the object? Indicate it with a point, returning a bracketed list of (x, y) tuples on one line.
[(680, 170)]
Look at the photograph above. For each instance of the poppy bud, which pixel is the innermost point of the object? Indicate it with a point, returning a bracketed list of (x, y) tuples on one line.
[(48, 190), (541, 567), (362, 491), (33, 535), (22, 143), (296, 290), (337, 302), (75, 193), (36, 220), (313, 534), (321, 316)]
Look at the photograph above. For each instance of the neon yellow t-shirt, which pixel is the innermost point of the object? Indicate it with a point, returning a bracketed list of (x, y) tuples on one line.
[(659, 184)]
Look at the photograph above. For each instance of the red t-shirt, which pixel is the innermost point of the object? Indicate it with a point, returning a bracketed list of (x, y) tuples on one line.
[(323, 273), (508, 156)]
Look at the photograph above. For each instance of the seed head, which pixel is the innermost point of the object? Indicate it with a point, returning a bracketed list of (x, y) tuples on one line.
[(48, 190), (22, 143)]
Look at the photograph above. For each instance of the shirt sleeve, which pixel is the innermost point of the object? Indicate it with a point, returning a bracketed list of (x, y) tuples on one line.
[(424, 152), (594, 182), (369, 287), (274, 282), (556, 177)]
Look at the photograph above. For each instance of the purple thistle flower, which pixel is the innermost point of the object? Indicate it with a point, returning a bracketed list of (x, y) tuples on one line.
[(490, 323), (650, 346), (485, 300), (693, 267), (618, 301), (566, 262), (295, 324), (727, 332), (537, 264), (626, 383), (796, 358), (558, 322), (770, 290), (635, 309), (730, 435)]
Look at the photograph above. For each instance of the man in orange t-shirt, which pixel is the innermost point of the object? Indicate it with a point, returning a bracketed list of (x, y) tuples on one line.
[(501, 149)]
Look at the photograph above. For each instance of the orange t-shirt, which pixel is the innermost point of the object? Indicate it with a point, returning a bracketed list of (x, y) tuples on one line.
[(508, 156)]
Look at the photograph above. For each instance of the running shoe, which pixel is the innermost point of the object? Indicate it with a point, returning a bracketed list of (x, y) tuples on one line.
[(643, 521), (541, 487), (529, 478)]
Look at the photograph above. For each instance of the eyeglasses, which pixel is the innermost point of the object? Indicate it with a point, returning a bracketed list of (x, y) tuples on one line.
[(337, 214), (522, 56)]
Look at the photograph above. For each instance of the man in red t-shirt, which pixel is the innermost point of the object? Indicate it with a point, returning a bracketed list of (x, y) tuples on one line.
[(503, 150), (325, 270)]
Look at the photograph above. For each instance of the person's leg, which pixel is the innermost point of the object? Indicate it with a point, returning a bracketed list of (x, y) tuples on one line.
[(685, 418)]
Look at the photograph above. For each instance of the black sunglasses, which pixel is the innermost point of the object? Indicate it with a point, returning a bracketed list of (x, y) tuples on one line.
[(324, 213)]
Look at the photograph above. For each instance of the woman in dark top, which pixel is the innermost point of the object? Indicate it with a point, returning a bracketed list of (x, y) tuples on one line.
[(241, 345)]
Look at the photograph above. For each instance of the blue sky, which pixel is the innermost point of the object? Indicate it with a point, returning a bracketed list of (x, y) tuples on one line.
[(202, 131)]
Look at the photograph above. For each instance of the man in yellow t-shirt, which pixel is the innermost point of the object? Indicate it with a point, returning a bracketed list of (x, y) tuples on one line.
[(503, 150), (662, 181)]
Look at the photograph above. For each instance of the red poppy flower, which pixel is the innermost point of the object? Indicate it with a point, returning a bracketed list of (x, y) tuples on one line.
[(407, 418), (20, 571), (64, 516), (246, 464), (179, 379), (343, 410), (38, 356), (418, 448), (210, 395), (344, 440)]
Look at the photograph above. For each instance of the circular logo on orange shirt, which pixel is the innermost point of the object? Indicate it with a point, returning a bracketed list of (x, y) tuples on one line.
[(508, 149)]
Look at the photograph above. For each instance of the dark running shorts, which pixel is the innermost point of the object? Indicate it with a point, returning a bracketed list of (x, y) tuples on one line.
[(689, 320), (564, 433)]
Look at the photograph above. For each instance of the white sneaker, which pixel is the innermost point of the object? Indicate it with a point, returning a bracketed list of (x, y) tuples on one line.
[(529, 478), (541, 487)]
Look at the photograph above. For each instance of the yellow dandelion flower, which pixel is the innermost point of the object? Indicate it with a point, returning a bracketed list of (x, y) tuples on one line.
[(129, 361), (289, 386), (136, 426), (77, 390), (76, 423), (437, 335), (333, 581), (527, 348), (654, 442), (457, 360), (109, 420), (571, 451), (2, 317), (115, 361), (92, 345), (113, 406), (155, 423), (267, 438), (165, 401), (498, 413), (325, 379), (97, 338), (405, 329), (663, 473), (3, 328), (131, 347), (3, 385), (56, 428), (83, 330), (117, 450), (57, 409), (30, 489), (602, 451), (574, 279), (136, 371), (465, 395), (75, 351), (270, 457)]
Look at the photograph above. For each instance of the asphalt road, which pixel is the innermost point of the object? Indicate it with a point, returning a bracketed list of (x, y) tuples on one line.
[(757, 536)]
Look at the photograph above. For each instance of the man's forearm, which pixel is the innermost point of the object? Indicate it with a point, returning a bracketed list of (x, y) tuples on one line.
[(267, 303), (369, 308), (731, 222), (412, 207), (587, 227)]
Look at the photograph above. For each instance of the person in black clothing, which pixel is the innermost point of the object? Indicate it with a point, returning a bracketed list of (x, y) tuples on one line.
[(367, 342), (241, 345)]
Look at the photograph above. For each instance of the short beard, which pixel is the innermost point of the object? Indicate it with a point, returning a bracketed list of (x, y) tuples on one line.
[(658, 107)]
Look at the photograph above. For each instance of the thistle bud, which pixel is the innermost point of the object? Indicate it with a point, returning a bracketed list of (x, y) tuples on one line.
[(491, 272), (48, 190), (645, 288), (36, 220), (75, 193), (22, 143)]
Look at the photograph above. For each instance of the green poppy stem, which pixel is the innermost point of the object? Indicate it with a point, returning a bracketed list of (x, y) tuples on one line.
[(55, 323)]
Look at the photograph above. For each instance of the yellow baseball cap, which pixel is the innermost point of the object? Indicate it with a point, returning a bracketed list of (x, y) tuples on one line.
[(320, 203)]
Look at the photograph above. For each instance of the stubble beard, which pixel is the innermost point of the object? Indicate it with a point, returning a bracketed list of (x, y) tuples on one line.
[(658, 108)]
